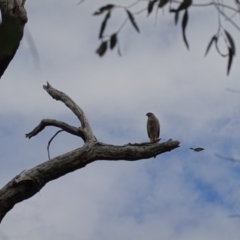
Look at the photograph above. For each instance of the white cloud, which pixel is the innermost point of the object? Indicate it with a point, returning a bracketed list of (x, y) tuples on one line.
[(181, 194)]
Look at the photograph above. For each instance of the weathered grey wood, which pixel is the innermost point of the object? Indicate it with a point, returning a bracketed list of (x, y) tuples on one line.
[(60, 96), (29, 182), (51, 122), (14, 18)]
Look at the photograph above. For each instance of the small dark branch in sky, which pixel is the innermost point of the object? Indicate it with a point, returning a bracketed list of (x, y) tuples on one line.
[(133, 4), (212, 3), (124, 22), (32, 47), (198, 149), (232, 90), (226, 17), (80, 2), (227, 158), (140, 11)]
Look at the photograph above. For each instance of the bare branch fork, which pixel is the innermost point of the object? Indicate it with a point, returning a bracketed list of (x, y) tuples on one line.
[(28, 183)]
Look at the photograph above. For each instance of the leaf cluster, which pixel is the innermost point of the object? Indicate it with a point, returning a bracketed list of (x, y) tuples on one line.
[(230, 45), (182, 7), (110, 42)]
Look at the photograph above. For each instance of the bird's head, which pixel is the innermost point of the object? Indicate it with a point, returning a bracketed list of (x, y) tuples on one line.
[(149, 114)]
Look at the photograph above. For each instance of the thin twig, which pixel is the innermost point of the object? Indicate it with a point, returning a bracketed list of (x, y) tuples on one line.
[(210, 4), (140, 11), (133, 4), (227, 158), (80, 2), (125, 21), (155, 23), (227, 18), (233, 91), (51, 141)]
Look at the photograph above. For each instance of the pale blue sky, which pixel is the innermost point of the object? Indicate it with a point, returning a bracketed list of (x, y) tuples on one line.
[(179, 195)]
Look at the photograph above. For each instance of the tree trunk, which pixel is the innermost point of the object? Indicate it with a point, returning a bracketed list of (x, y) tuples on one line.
[(14, 18)]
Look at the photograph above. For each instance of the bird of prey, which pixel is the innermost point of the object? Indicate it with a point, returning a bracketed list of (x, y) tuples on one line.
[(153, 127), (198, 149)]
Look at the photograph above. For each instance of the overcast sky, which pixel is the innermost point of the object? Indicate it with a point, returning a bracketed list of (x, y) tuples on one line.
[(179, 195)]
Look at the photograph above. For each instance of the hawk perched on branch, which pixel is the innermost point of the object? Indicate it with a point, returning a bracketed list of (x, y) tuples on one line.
[(153, 127)]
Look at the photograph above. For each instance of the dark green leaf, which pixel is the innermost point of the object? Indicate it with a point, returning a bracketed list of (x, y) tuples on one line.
[(103, 9), (150, 6), (119, 50), (218, 50), (176, 17), (231, 42), (230, 58), (102, 48), (184, 25), (113, 41), (130, 16), (184, 5), (162, 3), (104, 23), (213, 39)]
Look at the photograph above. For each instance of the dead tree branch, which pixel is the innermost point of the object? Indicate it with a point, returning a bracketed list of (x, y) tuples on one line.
[(51, 122), (60, 96), (29, 182)]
